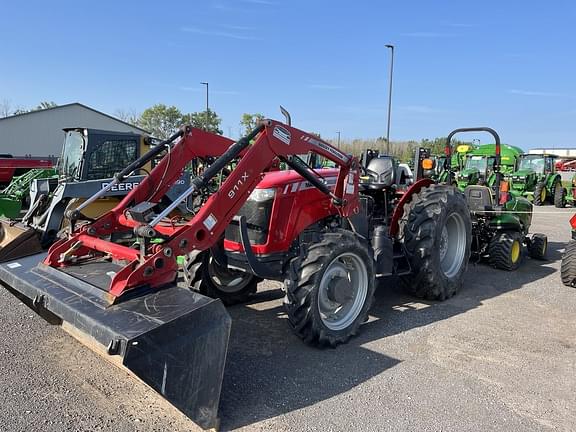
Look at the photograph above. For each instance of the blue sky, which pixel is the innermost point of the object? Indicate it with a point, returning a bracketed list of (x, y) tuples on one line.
[(505, 64)]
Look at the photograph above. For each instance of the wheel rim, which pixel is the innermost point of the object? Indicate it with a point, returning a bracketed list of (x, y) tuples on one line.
[(545, 247), (343, 291), (452, 245), (515, 253), (227, 280), (542, 194)]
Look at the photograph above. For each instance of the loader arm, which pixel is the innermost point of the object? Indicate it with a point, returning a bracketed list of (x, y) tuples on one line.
[(155, 265)]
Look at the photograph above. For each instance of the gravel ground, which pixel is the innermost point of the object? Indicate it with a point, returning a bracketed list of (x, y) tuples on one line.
[(501, 355)]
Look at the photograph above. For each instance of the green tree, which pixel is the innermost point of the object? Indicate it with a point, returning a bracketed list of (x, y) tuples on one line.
[(206, 120), (250, 121), (160, 120), (129, 116)]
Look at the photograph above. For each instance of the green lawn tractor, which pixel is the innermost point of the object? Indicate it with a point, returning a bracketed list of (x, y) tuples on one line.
[(536, 179), (500, 220), (15, 197), (478, 165)]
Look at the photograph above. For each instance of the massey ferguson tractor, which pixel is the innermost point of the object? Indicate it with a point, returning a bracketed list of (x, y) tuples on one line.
[(327, 234), (289, 230)]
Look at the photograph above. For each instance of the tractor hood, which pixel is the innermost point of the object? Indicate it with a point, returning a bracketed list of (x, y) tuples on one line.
[(469, 174), (522, 173), (276, 179)]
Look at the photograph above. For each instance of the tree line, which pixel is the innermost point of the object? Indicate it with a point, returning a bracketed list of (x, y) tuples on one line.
[(162, 121)]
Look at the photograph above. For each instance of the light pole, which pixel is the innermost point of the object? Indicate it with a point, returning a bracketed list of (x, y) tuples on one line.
[(389, 98), (338, 139), (207, 106)]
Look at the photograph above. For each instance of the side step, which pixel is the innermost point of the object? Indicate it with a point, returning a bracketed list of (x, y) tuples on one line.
[(175, 340)]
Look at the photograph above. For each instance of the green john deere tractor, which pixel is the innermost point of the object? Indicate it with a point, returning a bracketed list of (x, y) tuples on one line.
[(536, 178), (457, 163), (16, 196), (478, 165), (500, 220)]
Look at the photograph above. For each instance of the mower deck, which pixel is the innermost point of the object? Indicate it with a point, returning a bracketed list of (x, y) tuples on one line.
[(174, 339)]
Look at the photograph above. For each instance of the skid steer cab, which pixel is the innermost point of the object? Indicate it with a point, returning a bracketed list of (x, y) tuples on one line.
[(90, 159)]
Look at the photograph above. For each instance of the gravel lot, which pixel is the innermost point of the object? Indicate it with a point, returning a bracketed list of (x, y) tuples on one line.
[(500, 356)]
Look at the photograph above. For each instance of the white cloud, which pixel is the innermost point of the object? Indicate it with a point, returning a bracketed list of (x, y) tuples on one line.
[(533, 93)]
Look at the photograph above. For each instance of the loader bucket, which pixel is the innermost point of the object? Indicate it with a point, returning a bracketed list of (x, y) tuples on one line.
[(173, 339), (17, 240)]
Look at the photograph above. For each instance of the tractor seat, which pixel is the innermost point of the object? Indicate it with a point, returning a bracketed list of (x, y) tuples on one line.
[(479, 198), (380, 173)]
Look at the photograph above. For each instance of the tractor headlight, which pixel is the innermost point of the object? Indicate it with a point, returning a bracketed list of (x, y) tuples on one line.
[(260, 195)]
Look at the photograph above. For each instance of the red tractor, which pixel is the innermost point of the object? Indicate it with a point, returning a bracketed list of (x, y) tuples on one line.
[(326, 233), (289, 230)]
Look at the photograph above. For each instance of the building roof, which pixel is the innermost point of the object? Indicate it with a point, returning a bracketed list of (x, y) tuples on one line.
[(74, 104)]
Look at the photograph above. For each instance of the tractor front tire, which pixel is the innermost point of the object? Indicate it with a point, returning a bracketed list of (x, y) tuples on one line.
[(203, 274), (538, 246), (505, 250), (559, 196), (540, 194), (568, 266), (437, 237), (329, 289)]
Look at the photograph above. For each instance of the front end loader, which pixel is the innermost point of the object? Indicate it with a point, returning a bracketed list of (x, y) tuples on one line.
[(122, 298)]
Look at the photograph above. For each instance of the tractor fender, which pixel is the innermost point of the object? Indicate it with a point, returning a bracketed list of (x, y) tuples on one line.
[(506, 222), (399, 210)]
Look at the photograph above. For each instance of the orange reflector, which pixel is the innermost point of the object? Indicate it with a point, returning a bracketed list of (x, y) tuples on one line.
[(573, 221), (504, 186), (427, 164)]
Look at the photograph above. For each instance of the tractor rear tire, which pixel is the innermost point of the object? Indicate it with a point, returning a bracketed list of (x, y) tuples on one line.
[(540, 194), (437, 237), (559, 196), (329, 290), (568, 266), (204, 275), (538, 246), (505, 250)]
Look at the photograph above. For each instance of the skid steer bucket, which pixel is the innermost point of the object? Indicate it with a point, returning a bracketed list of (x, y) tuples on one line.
[(173, 339), (17, 240)]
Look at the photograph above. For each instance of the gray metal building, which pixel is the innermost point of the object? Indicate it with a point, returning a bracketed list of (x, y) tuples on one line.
[(560, 152), (39, 133)]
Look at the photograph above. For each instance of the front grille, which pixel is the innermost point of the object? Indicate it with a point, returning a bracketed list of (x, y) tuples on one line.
[(257, 221)]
